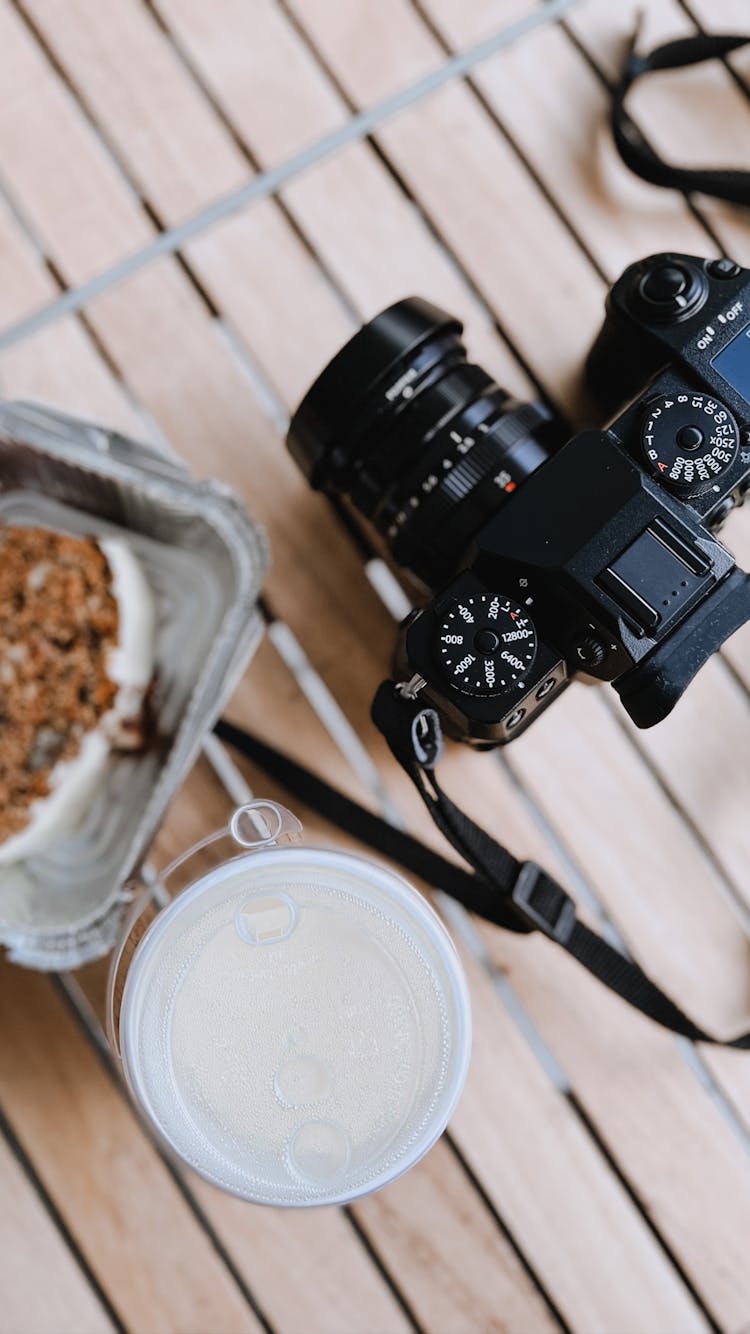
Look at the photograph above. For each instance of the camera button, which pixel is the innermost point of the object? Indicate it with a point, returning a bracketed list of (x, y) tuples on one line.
[(591, 651), (662, 285), (689, 437), (722, 268), (670, 291), (486, 641)]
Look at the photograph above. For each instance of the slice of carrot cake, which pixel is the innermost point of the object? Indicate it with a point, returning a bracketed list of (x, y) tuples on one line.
[(77, 628)]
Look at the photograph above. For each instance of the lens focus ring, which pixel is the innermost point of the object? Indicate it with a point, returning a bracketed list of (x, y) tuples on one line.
[(422, 443)]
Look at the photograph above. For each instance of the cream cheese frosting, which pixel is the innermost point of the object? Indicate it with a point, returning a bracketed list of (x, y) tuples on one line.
[(130, 664)]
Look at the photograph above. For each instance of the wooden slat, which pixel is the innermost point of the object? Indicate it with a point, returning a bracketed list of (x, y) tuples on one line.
[(431, 1229), (467, 1277), (64, 369), (617, 215), (43, 1288), (496, 220), (264, 1246), (147, 1250), (366, 232), (146, 98), (503, 1156), (204, 404), (359, 668), (629, 1076), (350, 197)]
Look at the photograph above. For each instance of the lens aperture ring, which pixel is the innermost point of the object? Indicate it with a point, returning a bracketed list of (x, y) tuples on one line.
[(424, 470), (458, 463)]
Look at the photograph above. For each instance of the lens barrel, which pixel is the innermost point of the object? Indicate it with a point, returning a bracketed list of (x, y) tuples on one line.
[(424, 444)]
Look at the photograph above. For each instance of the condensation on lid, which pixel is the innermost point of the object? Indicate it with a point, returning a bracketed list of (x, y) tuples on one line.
[(296, 1026)]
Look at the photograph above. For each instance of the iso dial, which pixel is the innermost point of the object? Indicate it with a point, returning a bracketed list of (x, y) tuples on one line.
[(486, 644)]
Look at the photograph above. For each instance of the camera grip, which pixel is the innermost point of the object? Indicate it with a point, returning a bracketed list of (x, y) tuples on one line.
[(622, 359), (650, 691)]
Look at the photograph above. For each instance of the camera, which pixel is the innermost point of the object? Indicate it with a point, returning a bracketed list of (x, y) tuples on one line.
[(545, 558)]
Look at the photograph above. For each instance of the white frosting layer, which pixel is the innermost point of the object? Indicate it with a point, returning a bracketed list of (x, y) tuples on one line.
[(72, 786), (130, 664)]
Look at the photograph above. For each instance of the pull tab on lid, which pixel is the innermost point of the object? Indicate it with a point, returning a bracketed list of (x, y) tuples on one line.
[(295, 1024), (261, 823)]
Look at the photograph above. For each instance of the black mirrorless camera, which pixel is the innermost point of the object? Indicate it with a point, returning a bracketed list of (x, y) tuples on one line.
[(547, 559)]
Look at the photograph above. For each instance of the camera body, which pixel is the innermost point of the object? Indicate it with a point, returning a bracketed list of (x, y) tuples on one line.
[(597, 557)]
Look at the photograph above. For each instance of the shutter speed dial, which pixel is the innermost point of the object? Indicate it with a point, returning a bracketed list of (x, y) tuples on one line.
[(689, 441), (486, 644)]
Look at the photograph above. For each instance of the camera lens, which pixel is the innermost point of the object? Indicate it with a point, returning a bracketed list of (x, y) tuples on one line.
[(424, 444)]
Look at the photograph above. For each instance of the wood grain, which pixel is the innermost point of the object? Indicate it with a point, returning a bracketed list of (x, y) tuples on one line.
[(490, 201), (629, 1076), (308, 614), (435, 1210), (474, 189), (122, 1206), (44, 1290), (265, 1246)]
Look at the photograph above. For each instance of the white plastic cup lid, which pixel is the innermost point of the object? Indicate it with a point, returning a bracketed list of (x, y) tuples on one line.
[(296, 1026)]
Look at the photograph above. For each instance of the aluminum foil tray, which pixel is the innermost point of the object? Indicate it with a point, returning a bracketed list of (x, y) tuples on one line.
[(205, 561)]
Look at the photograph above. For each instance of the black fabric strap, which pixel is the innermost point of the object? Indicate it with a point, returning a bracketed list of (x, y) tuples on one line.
[(724, 182), (469, 888), (518, 896)]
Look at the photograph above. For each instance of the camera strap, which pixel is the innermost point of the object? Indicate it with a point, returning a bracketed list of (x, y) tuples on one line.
[(518, 896), (635, 150)]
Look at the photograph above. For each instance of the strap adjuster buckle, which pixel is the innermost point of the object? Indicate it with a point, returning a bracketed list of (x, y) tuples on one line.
[(543, 904)]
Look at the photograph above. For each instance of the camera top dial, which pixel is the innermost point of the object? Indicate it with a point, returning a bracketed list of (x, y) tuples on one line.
[(689, 440), (486, 644)]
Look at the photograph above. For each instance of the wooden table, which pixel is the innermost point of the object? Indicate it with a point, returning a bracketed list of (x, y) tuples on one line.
[(596, 1176)]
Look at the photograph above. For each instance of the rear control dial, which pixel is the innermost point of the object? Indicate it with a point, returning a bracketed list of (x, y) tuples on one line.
[(689, 441), (486, 644), (670, 290)]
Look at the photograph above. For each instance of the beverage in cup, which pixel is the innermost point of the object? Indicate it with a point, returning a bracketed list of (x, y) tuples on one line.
[(294, 1023)]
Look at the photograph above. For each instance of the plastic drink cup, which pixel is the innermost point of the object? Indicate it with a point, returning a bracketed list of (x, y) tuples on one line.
[(295, 1023)]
